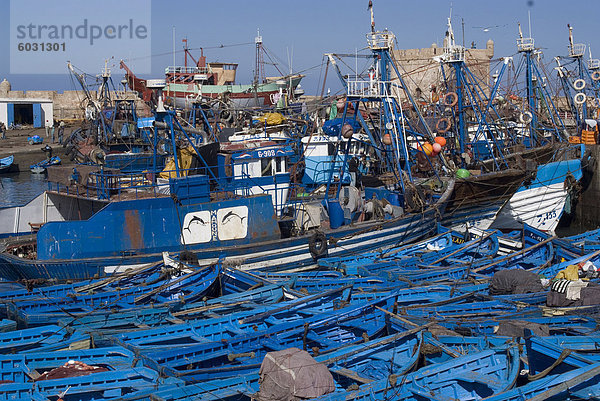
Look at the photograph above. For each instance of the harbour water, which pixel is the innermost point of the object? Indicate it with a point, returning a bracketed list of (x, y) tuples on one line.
[(19, 188)]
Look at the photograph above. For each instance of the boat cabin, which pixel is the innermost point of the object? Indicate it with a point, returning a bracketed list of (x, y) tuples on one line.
[(257, 167), (323, 153)]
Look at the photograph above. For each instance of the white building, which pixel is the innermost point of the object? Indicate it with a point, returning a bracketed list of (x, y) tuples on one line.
[(27, 111)]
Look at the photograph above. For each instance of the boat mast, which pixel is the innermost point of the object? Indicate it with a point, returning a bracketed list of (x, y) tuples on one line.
[(526, 46), (259, 73), (104, 95), (455, 55), (576, 52)]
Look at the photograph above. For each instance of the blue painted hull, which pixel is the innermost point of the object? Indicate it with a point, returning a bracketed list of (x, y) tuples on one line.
[(5, 163), (269, 255)]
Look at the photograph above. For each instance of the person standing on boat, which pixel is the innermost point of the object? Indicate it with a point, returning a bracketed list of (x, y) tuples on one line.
[(2, 130), (353, 170), (48, 150)]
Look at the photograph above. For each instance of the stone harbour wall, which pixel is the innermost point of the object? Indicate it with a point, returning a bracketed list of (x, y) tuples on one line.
[(70, 105)]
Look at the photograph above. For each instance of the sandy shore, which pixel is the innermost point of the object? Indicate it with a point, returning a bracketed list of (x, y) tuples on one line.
[(25, 154)]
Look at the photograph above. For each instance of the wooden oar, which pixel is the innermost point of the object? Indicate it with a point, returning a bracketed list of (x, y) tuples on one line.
[(116, 277), (378, 343), (588, 257), (446, 349), (590, 374), (512, 255), (460, 249)]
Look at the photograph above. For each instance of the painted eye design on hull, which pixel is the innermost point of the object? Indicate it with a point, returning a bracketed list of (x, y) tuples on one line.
[(229, 216), (196, 220)]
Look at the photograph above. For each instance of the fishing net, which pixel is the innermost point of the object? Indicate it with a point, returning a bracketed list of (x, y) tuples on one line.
[(292, 374)]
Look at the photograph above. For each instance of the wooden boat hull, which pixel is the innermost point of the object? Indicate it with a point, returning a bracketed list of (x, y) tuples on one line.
[(477, 199)]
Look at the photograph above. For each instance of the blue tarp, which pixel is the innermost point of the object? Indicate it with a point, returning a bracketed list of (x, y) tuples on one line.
[(332, 127), (145, 122)]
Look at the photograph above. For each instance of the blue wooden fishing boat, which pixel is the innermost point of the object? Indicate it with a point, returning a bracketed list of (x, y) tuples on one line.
[(577, 384), (45, 338), (40, 167), (102, 385), (350, 364), (6, 163), (543, 354), (472, 376), (191, 286), (243, 352)]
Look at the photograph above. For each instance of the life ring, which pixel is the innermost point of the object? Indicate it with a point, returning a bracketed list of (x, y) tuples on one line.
[(443, 125), (579, 84), (450, 99), (596, 75), (525, 117), (317, 245), (579, 98)]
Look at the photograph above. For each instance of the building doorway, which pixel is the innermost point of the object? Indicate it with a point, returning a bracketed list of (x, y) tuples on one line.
[(24, 114)]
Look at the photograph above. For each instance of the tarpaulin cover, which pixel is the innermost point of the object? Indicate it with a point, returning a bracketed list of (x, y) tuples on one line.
[(291, 374), (515, 281), (271, 118), (332, 127), (571, 272), (185, 157)]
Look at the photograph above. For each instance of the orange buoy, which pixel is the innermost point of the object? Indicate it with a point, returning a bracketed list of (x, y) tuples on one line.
[(387, 139), (428, 149), (441, 140)]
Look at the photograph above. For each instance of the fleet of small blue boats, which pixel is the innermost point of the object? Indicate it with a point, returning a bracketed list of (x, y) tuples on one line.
[(406, 322)]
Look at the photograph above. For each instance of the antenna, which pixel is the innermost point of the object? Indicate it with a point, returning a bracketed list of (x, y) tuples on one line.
[(520, 31), (529, 17)]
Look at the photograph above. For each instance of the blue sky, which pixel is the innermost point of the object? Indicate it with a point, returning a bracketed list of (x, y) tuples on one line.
[(304, 30)]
